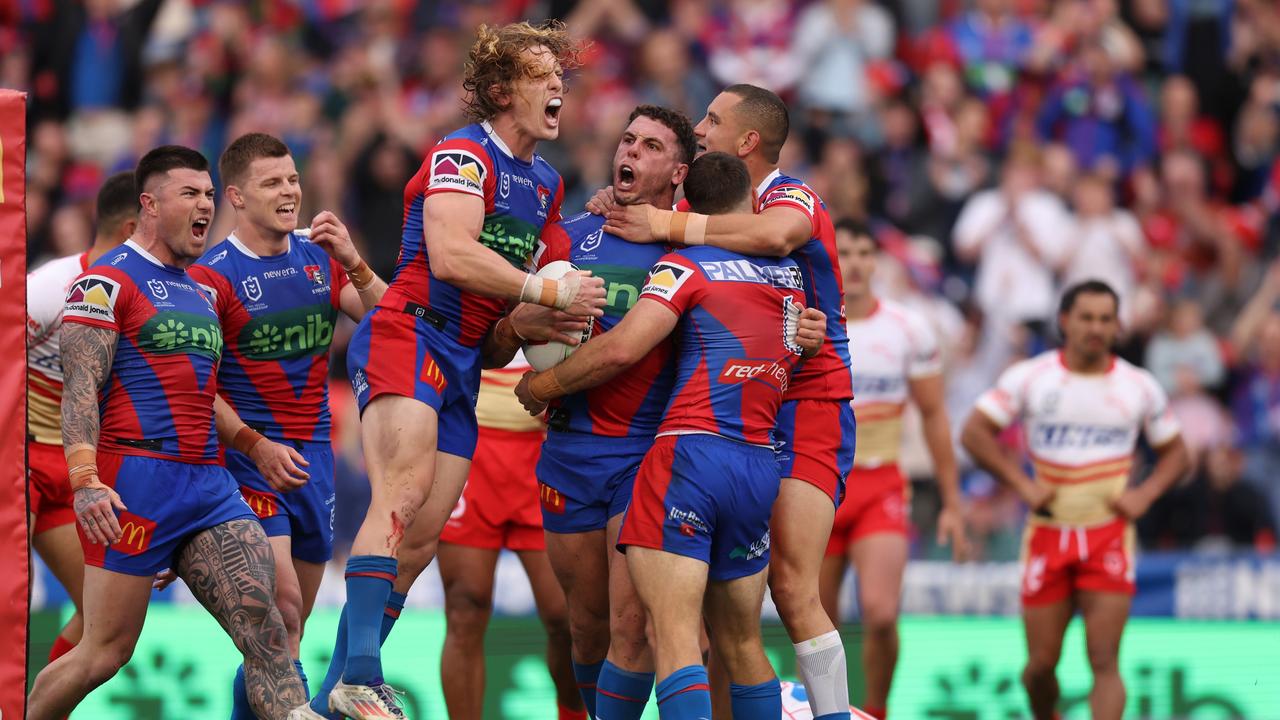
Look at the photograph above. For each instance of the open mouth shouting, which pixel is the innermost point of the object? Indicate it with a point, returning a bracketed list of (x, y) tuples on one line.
[(626, 179), (200, 228), (552, 111)]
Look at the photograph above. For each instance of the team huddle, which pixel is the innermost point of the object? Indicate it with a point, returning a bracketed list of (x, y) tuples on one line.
[(696, 451)]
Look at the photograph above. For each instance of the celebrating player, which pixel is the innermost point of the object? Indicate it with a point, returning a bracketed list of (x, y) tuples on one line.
[(499, 509), (140, 347), (598, 438), (698, 522), (277, 295), (901, 362), (815, 453), (53, 516), (1082, 409), (473, 214)]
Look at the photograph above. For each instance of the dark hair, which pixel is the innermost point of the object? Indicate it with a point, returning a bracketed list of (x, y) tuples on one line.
[(117, 202), (1088, 287), (717, 183), (765, 113), (161, 160), (857, 229), (242, 151), (676, 122)]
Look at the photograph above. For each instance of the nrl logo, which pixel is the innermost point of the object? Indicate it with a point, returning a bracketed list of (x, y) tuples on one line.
[(252, 288), (158, 289)]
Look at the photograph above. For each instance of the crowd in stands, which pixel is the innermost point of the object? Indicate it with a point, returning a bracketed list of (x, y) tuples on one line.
[(1000, 149)]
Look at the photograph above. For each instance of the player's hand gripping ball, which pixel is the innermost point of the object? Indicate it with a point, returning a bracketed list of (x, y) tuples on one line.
[(547, 354)]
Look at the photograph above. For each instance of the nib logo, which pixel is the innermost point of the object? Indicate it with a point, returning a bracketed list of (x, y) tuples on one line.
[(288, 334), (157, 688), (266, 339), (169, 334)]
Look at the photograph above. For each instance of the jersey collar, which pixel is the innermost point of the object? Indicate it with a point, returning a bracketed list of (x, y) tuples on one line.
[(239, 245), (488, 129), (145, 255), (764, 184)]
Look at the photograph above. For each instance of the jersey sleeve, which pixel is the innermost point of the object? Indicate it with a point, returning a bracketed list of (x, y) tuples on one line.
[(216, 286), (675, 282), (554, 244), (1158, 421), (923, 356), (339, 281), (463, 166), (797, 197), (1003, 404), (98, 299)]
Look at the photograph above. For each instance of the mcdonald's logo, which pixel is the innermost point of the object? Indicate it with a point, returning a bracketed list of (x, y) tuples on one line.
[(135, 534), (432, 375), (552, 500), (262, 504)]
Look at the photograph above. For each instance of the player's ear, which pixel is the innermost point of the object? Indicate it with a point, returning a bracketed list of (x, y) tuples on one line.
[(749, 141), (234, 197), (500, 96), (147, 201), (680, 173), (129, 227)]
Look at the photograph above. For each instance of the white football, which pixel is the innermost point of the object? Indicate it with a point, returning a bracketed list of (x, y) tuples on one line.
[(544, 355), (795, 704)]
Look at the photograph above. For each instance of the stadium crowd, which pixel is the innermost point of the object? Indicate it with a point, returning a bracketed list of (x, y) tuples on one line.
[(1000, 149)]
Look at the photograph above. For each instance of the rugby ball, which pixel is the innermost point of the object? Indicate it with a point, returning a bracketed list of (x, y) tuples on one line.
[(795, 704), (547, 354)]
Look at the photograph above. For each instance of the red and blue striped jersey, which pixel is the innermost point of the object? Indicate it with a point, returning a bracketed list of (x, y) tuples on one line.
[(519, 199), (278, 313), (829, 375), (158, 398), (631, 404), (735, 348)]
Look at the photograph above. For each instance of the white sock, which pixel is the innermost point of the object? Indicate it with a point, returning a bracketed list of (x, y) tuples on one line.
[(821, 663)]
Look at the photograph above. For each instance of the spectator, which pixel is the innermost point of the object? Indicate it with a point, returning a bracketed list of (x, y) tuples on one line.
[(836, 42), (1018, 235), (1185, 357), (994, 46), (749, 41), (670, 78), (1255, 402), (1101, 115), (1108, 241), (900, 186), (1214, 510)]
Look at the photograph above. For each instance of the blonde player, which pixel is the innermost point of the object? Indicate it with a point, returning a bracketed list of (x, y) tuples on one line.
[(895, 360), (1081, 409)]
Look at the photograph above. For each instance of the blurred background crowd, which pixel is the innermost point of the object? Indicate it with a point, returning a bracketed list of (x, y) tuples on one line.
[(1000, 149)]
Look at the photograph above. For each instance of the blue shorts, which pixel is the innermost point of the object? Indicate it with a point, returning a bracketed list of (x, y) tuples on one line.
[(583, 480), (706, 497), (305, 514), (815, 441), (168, 502), (397, 353)]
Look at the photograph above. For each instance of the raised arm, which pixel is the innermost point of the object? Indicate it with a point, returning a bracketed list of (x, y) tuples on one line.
[(607, 355), (366, 288), (456, 221), (87, 354)]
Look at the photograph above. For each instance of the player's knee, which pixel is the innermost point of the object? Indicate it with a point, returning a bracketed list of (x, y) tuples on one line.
[(290, 605), (629, 636), (467, 612), (1103, 658), (1039, 669), (105, 662), (879, 615), (790, 592)]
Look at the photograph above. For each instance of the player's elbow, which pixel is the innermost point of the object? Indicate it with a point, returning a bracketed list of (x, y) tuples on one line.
[(445, 268), (972, 434), (621, 354)]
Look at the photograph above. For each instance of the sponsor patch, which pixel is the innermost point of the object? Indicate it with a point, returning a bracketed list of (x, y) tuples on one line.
[(551, 499), (93, 296), (789, 194), (136, 533), (457, 170), (665, 280), (314, 273)]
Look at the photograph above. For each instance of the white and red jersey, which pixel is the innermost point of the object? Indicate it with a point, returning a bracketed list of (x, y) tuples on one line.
[(1081, 429), (47, 288), (497, 406), (890, 347)]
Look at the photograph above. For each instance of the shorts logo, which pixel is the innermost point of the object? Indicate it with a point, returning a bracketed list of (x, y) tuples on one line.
[(789, 194), (551, 499), (755, 550), (458, 170), (252, 288), (460, 509), (687, 519), (158, 290), (135, 534), (92, 296), (665, 280), (432, 375), (262, 504), (687, 530), (1033, 577), (314, 273), (359, 382)]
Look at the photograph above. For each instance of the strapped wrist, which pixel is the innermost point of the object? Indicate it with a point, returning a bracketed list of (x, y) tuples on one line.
[(246, 439), (545, 386)]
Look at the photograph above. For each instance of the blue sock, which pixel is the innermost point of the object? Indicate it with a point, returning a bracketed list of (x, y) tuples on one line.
[(828, 716), (685, 695), (586, 676), (320, 701), (757, 702), (303, 675), (622, 695), (369, 581), (240, 709)]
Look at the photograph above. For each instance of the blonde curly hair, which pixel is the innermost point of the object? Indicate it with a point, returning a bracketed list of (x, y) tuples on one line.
[(496, 59)]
